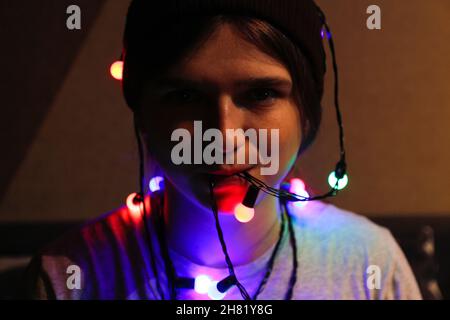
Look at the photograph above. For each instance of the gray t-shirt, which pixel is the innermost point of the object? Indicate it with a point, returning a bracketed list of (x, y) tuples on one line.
[(341, 255)]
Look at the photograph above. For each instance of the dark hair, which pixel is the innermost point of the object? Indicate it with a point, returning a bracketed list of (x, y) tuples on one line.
[(148, 51)]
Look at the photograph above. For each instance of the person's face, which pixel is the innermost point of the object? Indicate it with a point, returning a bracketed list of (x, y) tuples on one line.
[(217, 84)]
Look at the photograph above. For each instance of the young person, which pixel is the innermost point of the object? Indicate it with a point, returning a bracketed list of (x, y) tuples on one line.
[(231, 64)]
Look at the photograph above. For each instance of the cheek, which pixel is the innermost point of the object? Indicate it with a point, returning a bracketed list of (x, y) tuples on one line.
[(159, 147), (158, 129), (290, 134), (287, 120)]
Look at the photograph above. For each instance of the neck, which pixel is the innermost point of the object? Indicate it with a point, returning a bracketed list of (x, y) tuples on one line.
[(191, 231)]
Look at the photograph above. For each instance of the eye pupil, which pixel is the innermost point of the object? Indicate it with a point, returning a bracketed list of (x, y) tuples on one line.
[(184, 95), (181, 96), (262, 94)]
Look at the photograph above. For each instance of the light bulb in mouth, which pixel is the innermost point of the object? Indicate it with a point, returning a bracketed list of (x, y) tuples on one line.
[(228, 190), (244, 212)]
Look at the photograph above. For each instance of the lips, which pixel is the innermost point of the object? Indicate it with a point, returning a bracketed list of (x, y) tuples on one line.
[(222, 181), (229, 188), (229, 191), (227, 176), (227, 170)]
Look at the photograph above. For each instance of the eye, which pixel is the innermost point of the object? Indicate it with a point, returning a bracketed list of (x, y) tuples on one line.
[(263, 95), (181, 96)]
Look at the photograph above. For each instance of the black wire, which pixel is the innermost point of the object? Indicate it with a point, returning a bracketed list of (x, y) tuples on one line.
[(144, 214), (336, 79), (336, 91), (271, 261), (284, 195), (158, 200), (293, 279), (269, 267), (293, 242), (288, 196), (241, 288)]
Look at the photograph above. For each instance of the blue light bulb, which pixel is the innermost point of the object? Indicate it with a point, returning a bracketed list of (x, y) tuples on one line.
[(156, 183)]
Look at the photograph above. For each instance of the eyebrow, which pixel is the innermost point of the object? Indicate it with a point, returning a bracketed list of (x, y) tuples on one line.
[(264, 82), (249, 82)]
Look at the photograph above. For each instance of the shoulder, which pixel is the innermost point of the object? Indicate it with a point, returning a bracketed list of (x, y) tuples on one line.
[(89, 253), (348, 247), (111, 228), (346, 236), (327, 222)]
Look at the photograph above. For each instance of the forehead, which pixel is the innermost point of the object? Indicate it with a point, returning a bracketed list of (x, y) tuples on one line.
[(225, 55)]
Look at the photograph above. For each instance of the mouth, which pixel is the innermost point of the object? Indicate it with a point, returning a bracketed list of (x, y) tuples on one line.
[(228, 188), (222, 182), (228, 170), (226, 178)]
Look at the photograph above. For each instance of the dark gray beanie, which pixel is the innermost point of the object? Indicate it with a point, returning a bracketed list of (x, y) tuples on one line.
[(300, 20)]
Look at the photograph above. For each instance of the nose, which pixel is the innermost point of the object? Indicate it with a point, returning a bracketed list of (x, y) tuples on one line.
[(229, 117)]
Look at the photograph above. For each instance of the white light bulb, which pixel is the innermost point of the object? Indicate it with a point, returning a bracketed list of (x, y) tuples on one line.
[(243, 214), (202, 284), (133, 207), (342, 182)]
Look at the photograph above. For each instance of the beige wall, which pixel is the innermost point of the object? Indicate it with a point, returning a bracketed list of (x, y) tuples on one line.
[(395, 98)]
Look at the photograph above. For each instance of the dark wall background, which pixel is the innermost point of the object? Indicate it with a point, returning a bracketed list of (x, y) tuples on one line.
[(68, 151)]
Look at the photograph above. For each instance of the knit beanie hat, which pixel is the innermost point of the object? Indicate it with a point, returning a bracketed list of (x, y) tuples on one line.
[(300, 20)]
